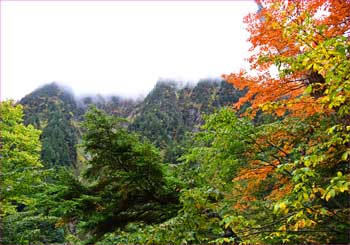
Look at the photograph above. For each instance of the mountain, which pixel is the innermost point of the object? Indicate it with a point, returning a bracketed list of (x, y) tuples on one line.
[(53, 110), (164, 116), (159, 117)]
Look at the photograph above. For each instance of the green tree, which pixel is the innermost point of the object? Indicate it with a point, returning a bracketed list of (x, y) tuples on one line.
[(206, 174), (258, 183), (124, 183), (20, 158), (21, 180)]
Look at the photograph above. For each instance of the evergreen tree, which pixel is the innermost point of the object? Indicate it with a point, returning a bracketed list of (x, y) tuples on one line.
[(124, 183)]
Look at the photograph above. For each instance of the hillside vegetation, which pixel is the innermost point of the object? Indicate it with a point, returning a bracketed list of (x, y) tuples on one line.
[(163, 116), (252, 159)]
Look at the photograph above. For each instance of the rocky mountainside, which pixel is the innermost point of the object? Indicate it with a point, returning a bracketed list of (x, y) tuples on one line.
[(163, 116), (169, 111)]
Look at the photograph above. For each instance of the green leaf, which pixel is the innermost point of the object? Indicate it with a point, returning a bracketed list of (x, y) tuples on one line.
[(345, 155)]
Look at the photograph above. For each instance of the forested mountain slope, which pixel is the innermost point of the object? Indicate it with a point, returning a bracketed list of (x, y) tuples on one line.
[(54, 110), (163, 116)]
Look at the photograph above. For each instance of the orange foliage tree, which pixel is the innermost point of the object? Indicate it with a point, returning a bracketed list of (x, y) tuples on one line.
[(294, 37), (306, 152)]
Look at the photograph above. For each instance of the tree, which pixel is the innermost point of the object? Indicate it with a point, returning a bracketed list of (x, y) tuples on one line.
[(20, 153), (124, 183), (307, 148), (308, 43), (206, 174), (253, 182), (21, 180)]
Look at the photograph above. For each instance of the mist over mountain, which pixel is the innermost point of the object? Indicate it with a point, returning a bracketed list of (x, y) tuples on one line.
[(164, 116)]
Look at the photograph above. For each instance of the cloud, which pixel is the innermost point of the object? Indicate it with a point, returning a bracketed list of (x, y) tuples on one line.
[(118, 47)]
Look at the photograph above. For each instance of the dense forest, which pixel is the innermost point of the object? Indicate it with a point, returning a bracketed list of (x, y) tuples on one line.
[(252, 157)]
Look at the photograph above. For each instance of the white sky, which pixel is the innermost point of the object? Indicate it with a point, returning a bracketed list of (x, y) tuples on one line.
[(116, 47)]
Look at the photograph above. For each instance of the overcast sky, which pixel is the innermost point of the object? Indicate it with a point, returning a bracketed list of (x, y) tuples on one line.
[(116, 47)]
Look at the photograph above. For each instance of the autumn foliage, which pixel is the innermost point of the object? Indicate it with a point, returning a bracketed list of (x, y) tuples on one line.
[(289, 36), (296, 164)]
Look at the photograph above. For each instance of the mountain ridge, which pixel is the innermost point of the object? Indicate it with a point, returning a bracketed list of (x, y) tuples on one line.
[(164, 116)]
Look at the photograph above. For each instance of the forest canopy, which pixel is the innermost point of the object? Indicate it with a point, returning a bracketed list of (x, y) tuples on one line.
[(185, 167)]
